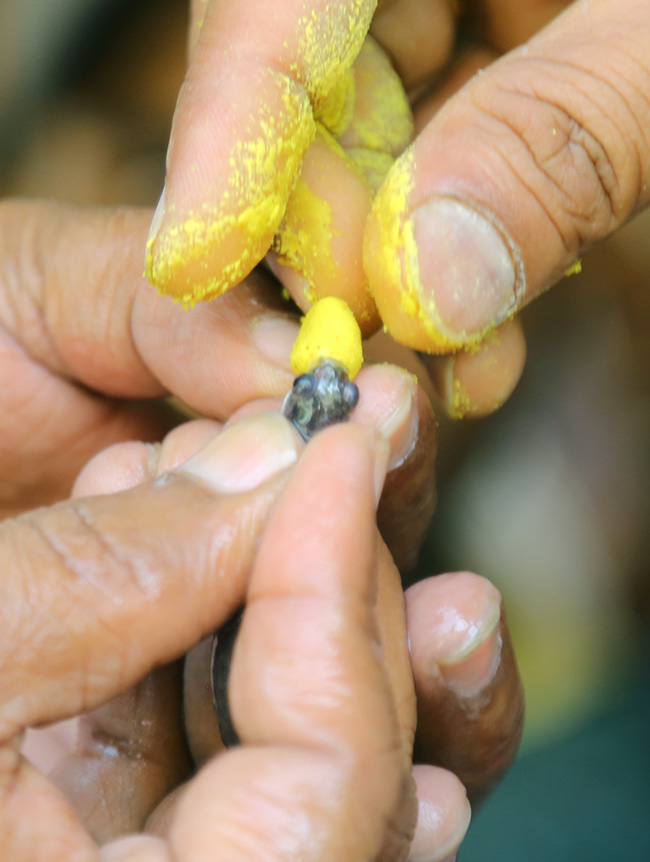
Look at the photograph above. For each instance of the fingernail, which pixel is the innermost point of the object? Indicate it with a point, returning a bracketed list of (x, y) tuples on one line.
[(472, 668), (156, 221), (470, 271), (246, 454), (382, 457), (400, 426), (274, 337)]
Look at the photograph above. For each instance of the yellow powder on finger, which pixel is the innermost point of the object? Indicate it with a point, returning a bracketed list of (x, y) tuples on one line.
[(264, 166), (328, 331), (382, 120), (398, 258), (329, 40), (303, 241)]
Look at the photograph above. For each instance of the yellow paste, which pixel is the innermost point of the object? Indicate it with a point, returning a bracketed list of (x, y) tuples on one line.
[(329, 331), (382, 120)]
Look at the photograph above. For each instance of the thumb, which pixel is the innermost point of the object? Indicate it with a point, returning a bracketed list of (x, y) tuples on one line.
[(97, 592), (529, 164)]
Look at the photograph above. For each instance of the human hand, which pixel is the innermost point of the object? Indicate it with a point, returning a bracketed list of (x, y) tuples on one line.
[(291, 162), (121, 741), (522, 144)]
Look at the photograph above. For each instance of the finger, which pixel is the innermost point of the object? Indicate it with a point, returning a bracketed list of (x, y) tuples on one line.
[(201, 720), (132, 752), (123, 583), (475, 383), (417, 34), (508, 23), (230, 172), (310, 764), (443, 815), (137, 739), (530, 163), (381, 120), (317, 251), (391, 401), (81, 308), (469, 695)]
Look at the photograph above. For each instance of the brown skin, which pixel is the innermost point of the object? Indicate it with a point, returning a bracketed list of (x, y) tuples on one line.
[(145, 727), (303, 754), (440, 717)]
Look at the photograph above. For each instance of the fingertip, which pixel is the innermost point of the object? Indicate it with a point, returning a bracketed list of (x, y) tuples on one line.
[(246, 454), (387, 403), (229, 178), (469, 693), (388, 254), (471, 601), (444, 271), (444, 815), (472, 384), (381, 122), (419, 36)]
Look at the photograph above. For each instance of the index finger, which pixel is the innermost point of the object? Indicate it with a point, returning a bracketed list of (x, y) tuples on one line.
[(244, 120)]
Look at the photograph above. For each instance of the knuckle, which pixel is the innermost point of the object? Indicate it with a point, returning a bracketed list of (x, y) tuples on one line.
[(568, 144)]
